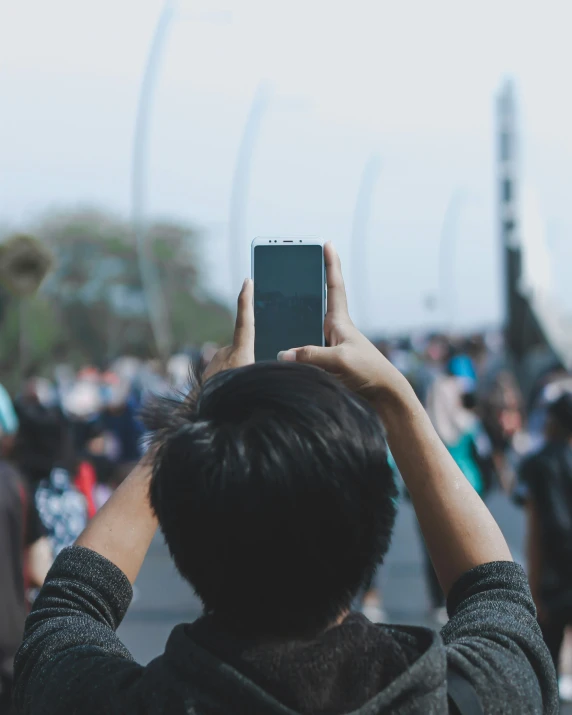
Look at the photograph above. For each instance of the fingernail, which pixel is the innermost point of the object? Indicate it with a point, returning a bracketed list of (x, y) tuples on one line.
[(287, 356)]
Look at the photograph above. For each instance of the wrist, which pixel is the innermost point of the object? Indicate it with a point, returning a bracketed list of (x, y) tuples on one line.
[(394, 397)]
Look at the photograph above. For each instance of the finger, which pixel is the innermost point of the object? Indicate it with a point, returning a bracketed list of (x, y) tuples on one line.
[(244, 327), (337, 300), (310, 355)]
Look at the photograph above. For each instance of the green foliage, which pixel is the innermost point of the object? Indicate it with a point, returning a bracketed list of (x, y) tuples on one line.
[(92, 305), (29, 337)]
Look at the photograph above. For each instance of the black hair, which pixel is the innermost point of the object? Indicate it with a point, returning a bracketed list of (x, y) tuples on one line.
[(273, 491), (469, 400), (44, 440), (561, 411)]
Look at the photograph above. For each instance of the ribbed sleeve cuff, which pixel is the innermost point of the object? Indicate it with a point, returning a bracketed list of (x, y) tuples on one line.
[(501, 575)]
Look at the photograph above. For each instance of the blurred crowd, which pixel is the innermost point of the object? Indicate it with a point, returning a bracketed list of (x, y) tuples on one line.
[(510, 435), (75, 437), (68, 442), (489, 420)]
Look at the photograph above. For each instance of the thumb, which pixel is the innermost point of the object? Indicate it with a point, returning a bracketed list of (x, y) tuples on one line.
[(310, 355)]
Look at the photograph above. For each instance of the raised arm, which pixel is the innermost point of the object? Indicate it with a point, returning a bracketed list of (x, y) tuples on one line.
[(123, 529), (458, 528), (70, 634)]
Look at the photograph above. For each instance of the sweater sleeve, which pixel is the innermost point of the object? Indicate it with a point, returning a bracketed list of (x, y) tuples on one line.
[(70, 649), (494, 641)]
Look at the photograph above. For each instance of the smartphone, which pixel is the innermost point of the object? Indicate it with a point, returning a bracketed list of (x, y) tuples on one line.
[(289, 294)]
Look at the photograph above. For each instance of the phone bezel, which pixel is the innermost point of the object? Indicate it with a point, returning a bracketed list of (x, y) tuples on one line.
[(293, 242)]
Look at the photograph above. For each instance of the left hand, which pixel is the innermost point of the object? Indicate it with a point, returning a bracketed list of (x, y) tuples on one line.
[(241, 352)]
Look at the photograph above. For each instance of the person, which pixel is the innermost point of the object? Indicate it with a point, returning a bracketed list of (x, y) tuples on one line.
[(24, 554), (547, 479), (45, 455), (271, 486), (431, 366), (121, 422), (502, 415)]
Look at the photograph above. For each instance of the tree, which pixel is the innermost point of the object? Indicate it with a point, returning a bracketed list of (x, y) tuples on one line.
[(92, 305)]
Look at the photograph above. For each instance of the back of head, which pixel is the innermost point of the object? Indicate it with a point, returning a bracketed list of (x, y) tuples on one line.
[(274, 494)]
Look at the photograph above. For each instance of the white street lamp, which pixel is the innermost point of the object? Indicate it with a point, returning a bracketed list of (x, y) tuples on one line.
[(241, 179), (154, 299)]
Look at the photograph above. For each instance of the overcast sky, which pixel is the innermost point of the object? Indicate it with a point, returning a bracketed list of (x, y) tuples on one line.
[(411, 81)]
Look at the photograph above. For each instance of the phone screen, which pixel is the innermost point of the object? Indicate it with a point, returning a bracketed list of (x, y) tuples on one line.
[(288, 298)]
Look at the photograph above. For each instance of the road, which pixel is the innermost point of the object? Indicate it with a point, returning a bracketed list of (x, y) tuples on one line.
[(163, 599)]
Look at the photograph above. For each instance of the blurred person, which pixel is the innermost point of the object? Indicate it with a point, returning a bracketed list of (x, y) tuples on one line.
[(475, 348), (121, 421), (451, 405), (44, 452), (83, 403), (39, 417), (25, 556), (502, 414), (126, 368), (548, 388), (547, 477), (403, 358), (93, 473), (432, 365), (178, 369), (272, 489)]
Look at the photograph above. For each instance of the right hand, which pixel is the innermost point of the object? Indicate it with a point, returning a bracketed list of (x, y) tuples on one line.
[(350, 356)]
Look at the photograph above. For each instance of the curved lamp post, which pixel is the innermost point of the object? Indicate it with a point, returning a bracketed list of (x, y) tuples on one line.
[(241, 180), (155, 302), (361, 219)]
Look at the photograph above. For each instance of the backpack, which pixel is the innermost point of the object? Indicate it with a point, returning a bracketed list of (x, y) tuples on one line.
[(62, 509)]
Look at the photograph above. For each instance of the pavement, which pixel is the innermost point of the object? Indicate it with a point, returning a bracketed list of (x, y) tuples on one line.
[(163, 599)]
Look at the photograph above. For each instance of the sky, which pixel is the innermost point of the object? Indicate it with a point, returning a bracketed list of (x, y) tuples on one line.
[(412, 82)]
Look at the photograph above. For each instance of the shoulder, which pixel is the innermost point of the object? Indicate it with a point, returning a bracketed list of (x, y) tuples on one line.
[(494, 640)]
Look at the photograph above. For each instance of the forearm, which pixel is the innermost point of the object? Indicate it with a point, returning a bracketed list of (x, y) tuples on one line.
[(459, 530), (123, 529), (73, 622)]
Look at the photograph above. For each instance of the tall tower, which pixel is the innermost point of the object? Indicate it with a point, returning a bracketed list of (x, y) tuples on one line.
[(521, 327)]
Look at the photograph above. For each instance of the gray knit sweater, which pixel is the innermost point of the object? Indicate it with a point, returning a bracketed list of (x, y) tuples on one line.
[(72, 662)]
